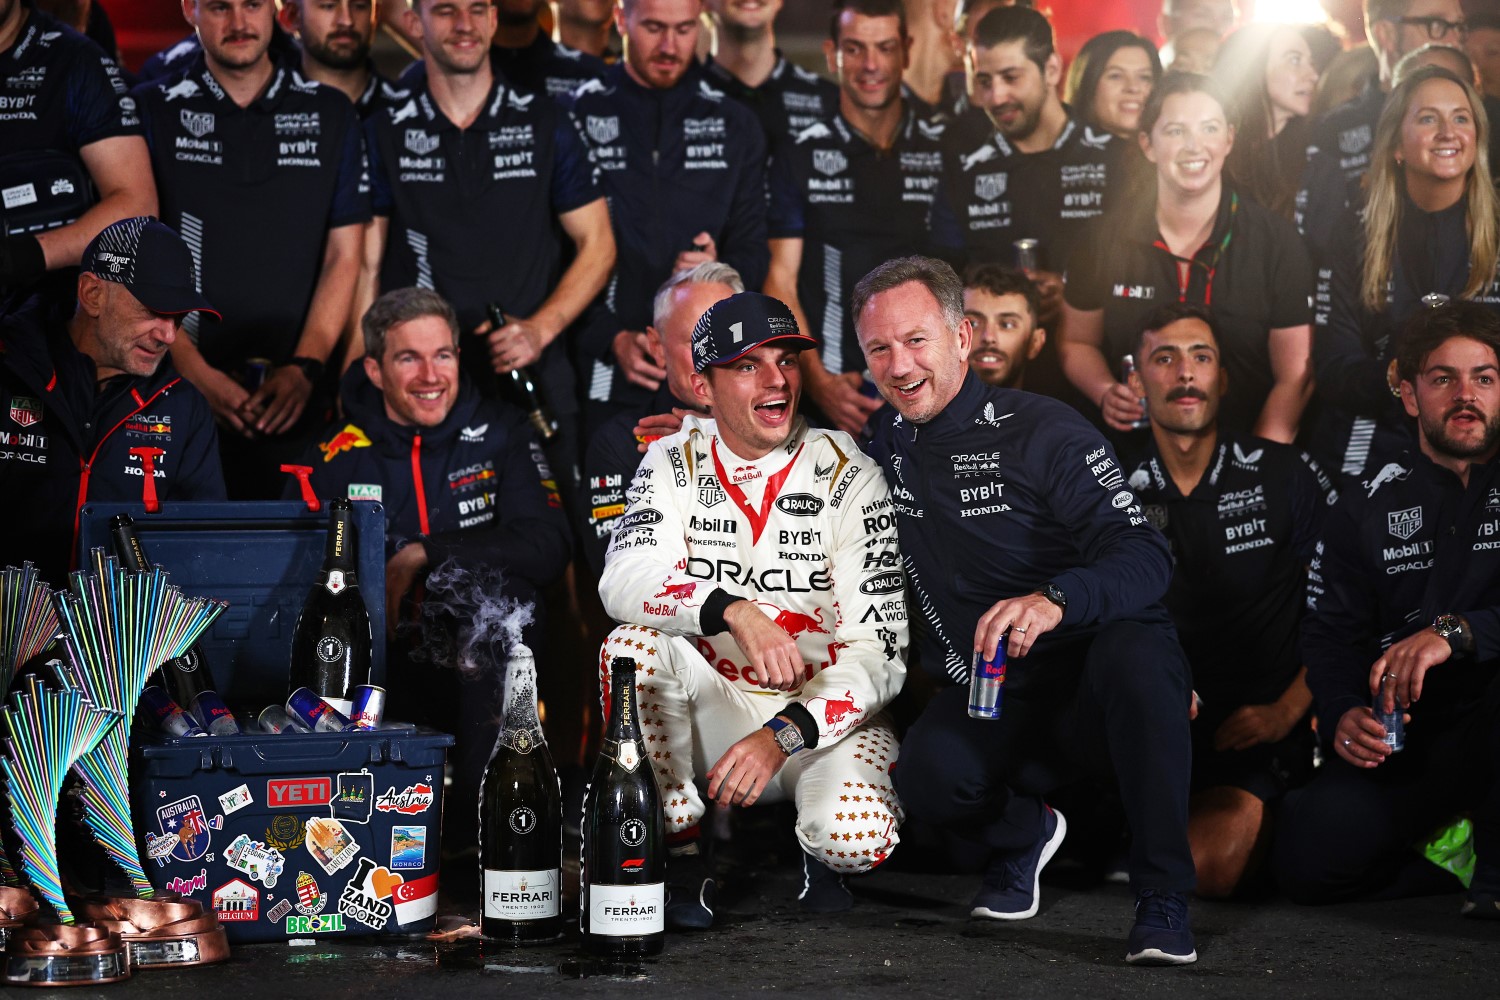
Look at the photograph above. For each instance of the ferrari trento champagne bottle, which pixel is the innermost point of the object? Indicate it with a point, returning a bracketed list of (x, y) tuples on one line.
[(520, 821), (521, 384), (622, 909), (187, 679), (332, 643)]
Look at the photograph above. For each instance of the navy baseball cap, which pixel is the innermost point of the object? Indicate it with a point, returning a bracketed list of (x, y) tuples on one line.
[(152, 261), (735, 326)]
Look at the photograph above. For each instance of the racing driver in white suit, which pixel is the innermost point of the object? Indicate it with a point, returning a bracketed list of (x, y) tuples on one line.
[(757, 576)]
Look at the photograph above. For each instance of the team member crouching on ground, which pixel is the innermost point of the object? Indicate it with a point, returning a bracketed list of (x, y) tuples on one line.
[(758, 583)]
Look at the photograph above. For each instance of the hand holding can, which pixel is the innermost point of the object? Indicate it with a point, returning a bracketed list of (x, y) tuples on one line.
[(987, 684)]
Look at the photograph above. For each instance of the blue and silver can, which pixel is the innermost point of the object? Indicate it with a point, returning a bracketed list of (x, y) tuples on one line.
[(369, 707), (306, 707), (168, 715), (273, 719), (987, 684), (212, 714)]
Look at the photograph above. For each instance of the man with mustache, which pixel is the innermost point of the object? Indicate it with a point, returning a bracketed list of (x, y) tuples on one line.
[(1404, 615), (1029, 170), (683, 166), (1002, 305), (335, 37), (1242, 515), (262, 172)]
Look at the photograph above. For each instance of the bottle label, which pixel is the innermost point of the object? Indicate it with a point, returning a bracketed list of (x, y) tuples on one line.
[(629, 755), (335, 582), (522, 741), (330, 649), (627, 910), (515, 895)]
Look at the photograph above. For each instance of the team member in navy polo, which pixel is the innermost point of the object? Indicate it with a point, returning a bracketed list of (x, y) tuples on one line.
[(847, 194), (475, 183), (90, 406), (684, 170), (1032, 171), (528, 57), (1017, 527), (461, 479), (260, 169), (1402, 605), (747, 65), (67, 121), (617, 446), (1242, 515), (335, 37)]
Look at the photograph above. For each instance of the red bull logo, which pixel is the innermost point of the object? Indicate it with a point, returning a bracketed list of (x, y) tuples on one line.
[(795, 623), (835, 709), (348, 439), (677, 591)]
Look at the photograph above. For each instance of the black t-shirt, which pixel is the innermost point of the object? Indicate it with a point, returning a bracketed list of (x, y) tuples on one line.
[(58, 93), (1241, 542), (254, 192), (548, 67), (854, 207), (790, 100), (1253, 272), (473, 212), (993, 194), (380, 93)]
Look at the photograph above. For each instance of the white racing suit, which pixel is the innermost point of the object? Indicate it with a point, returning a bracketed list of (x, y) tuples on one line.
[(823, 563)]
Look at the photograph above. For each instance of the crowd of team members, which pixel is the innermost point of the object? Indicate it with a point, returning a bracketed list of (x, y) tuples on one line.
[(1212, 265)]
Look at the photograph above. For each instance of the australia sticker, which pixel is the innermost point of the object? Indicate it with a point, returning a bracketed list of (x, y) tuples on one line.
[(185, 818)]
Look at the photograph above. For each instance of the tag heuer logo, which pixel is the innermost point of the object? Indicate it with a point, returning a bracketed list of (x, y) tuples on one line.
[(419, 142), (198, 123), (25, 411), (1404, 523), (603, 129), (989, 186), (1354, 140), (829, 161), (365, 491), (709, 494)]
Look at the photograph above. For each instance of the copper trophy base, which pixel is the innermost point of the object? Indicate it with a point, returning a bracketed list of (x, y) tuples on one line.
[(18, 908), (165, 932), (60, 955)]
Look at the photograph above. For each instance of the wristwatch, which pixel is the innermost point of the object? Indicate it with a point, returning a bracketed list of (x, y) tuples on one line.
[(1056, 596), (312, 368), (788, 736), (1455, 630)]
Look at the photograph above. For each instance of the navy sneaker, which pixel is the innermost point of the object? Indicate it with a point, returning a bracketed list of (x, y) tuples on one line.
[(691, 890), (1481, 905), (823, 889), (1011, 889), (1162, 934)]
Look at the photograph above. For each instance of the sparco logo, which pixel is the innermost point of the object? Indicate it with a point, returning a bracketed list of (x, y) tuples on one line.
[(800, 504)]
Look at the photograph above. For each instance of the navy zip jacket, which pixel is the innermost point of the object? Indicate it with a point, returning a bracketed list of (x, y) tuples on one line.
[(1000, 494), (476, 486), (66, 440)]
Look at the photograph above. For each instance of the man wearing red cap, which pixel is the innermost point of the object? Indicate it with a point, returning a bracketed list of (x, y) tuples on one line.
[(91, 408), (759, 587)]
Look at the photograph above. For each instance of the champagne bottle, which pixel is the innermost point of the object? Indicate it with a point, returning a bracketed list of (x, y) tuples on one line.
[(520, 821), (521, 384), (187, 679), (622, 909), (332, 644)]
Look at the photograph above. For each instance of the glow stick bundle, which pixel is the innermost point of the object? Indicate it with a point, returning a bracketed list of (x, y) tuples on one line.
[(27, 624)]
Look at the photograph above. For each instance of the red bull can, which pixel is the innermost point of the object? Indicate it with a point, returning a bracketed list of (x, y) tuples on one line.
[(254, 372), (168, 715), (317, 715), (369, 707), (212, 714), (273, 719), (987, 684)]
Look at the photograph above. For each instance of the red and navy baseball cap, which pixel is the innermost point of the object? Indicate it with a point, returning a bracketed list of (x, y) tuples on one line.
[(735, 326), (152, 261)]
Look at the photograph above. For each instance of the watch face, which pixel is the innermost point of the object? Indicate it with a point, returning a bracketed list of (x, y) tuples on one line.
[(790, 739)]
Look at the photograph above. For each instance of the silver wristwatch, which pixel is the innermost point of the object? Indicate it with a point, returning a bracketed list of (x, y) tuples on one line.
[(1455, 630)]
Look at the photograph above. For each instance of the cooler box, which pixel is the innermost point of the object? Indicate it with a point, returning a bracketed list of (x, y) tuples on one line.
[(296, 836), (332, 834)]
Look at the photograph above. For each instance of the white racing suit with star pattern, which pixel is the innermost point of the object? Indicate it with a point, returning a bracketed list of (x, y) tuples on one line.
[(824, 565)]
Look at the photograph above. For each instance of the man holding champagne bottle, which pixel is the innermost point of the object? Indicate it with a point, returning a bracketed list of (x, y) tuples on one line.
[(759, 587)]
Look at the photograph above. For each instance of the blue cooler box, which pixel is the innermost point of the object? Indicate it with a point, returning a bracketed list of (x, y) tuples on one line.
[(291, 835), (294, 836)]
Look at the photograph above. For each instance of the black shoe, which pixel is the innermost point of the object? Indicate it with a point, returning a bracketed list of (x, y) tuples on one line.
[(691, 890), (1163, 934), (1012, 887), (823, 889)]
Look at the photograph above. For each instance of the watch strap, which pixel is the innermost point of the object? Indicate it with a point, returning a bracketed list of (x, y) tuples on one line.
[(311, 367), (790, 745)]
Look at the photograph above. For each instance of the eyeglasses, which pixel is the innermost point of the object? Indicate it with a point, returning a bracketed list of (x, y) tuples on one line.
[(1437, 28)]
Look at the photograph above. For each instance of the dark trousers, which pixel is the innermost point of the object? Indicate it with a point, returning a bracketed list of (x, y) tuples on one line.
[(1116, 701), (1349, 834)]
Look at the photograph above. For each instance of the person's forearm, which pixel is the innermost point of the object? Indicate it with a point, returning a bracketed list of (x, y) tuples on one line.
[(581, 283), (331, 303), (64, 246), (188, 359), (1282, 413), (1086, 368)]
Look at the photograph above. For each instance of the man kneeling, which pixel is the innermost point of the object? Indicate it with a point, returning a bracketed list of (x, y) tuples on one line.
[(759, 586)]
